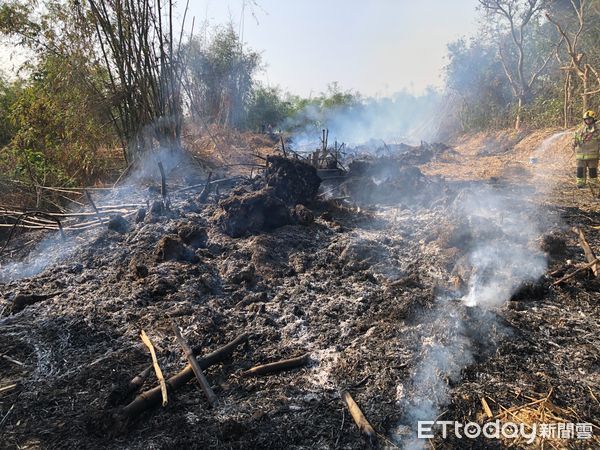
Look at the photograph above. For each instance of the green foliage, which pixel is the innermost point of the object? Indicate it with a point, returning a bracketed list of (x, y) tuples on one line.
[(315, 112), (53, 123), (267, 107), (9, 92), (56, 126), (482, 95), (475, 79)]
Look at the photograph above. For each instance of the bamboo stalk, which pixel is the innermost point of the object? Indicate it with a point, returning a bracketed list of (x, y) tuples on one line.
[(286, 364), (152, 397), (196, 186), (163, 387), (189, 353), (359, 418)]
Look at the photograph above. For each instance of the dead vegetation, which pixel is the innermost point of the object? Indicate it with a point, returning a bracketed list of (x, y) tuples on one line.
[(302, 311)]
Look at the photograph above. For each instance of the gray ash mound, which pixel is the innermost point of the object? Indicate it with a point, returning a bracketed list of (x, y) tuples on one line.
[(350, 289)]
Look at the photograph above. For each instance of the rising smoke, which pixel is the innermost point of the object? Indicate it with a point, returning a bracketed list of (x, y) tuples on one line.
[(503, 223), (52, 249), (403, 117)]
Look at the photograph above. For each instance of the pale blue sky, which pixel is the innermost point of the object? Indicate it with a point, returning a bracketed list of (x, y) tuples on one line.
[(377, 47)]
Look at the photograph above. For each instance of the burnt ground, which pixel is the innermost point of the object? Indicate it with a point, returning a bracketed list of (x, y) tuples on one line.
[(364, 287)]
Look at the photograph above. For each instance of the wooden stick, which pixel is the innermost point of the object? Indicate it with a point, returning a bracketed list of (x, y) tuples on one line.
[(286, 364), (10, 387), (89, 197), (486, 408), (359, 418), (189, 353), (283, 146), (14, 361), (163, 387), (152, 397), (589, 253), (575, 272), (163, 182)]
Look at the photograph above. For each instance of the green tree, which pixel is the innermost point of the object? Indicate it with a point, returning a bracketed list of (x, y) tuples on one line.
[(267, 106)]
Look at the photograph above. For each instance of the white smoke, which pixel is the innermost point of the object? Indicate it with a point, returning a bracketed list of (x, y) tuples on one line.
[(401, 118), (504, 256), (504, 224)]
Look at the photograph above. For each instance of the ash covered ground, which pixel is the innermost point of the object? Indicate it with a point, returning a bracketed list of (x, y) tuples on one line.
[(418, 294)]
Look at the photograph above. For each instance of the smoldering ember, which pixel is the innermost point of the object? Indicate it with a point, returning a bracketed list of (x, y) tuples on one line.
[(191, 258)]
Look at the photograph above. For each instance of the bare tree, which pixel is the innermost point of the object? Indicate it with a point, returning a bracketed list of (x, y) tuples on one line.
[(145, 67), (577, 64), (520, 67)]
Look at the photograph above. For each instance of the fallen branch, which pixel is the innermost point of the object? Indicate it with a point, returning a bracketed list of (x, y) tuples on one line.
[(286, 364), (589, 253), (163, 387), (575, 272), (189, 353), (152, 397), (359, 418), (259, 157), (138, 380), (23, 216)]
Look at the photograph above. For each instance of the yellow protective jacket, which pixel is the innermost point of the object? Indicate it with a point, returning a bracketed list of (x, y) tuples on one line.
[(587, 141)]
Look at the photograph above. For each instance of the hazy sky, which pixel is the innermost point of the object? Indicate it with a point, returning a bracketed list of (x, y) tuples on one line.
[(374, 46)]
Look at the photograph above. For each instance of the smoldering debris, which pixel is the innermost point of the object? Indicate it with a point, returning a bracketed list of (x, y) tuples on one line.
[(367, 293), (287, 182)]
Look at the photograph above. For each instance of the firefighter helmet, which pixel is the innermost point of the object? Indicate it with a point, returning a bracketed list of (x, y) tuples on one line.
[(589, 114)]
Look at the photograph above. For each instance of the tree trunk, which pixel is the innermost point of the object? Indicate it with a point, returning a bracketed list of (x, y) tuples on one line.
[(567, 99), (519, 112), (584, 91)]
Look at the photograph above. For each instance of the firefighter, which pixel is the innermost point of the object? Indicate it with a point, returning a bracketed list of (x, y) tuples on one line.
[(586, 141)]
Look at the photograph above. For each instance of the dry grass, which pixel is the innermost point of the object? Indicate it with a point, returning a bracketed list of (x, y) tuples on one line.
[(536, 412), (505, 154)]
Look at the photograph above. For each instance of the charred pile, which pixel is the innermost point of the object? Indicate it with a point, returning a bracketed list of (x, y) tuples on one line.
[(388, 180), (296, 315), (288, 183)]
